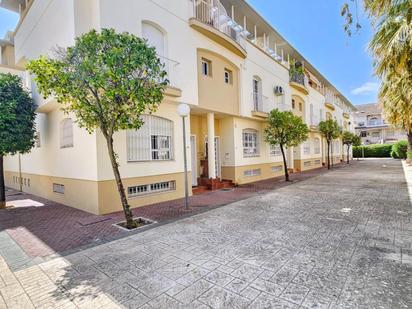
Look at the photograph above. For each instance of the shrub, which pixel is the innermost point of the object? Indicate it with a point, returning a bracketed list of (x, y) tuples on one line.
[(373, 151), (399, 150)]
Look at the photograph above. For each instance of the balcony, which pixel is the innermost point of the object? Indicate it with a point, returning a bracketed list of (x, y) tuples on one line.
[(314, 122), (261, 106), (299, 81), (172, 69), (211, 20)]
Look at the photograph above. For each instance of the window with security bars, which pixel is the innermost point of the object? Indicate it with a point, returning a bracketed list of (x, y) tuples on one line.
[(151, 188), (317, 162), (316, 146), (275, 150), (58, 188), (306, 148), (66, 133), (307, 163), (152, 142), (250, 173), (277, 168), (250, 143)]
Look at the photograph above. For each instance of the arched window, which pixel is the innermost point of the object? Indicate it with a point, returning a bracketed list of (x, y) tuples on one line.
[(373, 121), (155, 37), (316, 145), (257, 93), (66, 133), (250, 143), (152, 142)]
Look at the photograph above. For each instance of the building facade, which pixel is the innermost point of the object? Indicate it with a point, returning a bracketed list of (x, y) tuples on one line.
[(371, 126), (222, 59)]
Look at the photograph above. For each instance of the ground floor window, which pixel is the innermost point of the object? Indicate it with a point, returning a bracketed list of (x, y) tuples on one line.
[(151, 188), (250, 143), (254, 172), (275, 150)]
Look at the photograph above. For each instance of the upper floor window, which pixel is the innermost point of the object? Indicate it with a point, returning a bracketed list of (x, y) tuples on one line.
[(275, 150), (152, 142), (206, 67), (228, 77), (306, 148), (300, 106), (293, 103), (312, 120), (66, 133), (257, 93), (155, 37), (316, 145), (373, 121), (250, 143)]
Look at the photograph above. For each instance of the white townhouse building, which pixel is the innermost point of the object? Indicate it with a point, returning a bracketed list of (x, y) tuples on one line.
[(223, 59)]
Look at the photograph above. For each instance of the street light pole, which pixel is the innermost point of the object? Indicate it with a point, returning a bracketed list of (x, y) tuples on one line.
[(184, 110)]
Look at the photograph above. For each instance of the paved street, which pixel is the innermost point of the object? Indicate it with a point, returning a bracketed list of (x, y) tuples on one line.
[(338, 240)]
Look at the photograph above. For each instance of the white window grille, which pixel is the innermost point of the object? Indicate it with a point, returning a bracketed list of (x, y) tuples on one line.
[(317, 162), (276, 169), (275, 150), (307, 163), (66, 133), (250, 143), (316, 145), (158, 187), (306, 148), (152, 142), (257, 93), (58, 188), (251, 173)]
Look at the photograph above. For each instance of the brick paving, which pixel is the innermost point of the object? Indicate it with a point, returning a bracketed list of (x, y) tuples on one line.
[(339, 240), (54, 228)]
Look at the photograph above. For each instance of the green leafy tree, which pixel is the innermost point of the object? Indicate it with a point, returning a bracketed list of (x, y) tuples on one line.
[(17, 128), (108, 80), (330, 130), (350, 139), (284, 129)]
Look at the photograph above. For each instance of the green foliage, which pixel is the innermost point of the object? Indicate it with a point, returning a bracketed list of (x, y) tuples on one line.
[(399, 150), (17, 128), (108, 80), (286, 129), (329, 129), (373, 151)]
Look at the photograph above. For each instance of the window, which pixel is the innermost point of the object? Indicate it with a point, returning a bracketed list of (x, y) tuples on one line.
[(316, 145), (312, 119), (250, 143), (277, 169), (228, 77), (58, 188), (306, 148), (154, 36), (275, 150), (307, 163), (390, 132), (251, 173), (152, 142), (293, 103), (363, 134), (66, 133), (300, 106), (336, 147), (37, 140), (206, 67), (257, 93), (151, 188), (317, 162)]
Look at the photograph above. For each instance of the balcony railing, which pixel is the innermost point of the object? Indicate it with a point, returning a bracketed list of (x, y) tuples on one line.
[(172, 69), (299, 78), (214, 15), (261, 103)]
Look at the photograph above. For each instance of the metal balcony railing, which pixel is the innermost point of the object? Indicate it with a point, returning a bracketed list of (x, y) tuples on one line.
[(172, 69), (299, 78)]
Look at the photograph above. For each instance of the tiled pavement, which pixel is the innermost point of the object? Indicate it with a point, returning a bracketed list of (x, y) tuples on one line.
[(53, 228), (339, 240)]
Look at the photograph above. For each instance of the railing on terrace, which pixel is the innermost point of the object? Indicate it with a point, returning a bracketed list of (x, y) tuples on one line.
[(376, 122), (261, 103), (172, 69), (299, 78), (214, 15)]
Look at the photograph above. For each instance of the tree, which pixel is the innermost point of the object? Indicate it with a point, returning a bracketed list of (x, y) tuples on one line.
[(330, 131), (284, 129), (107, 80), (349, 139), (17, 116)]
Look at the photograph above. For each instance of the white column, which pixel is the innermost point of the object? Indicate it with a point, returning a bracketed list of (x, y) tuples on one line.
[(291, 163), (211, 145)]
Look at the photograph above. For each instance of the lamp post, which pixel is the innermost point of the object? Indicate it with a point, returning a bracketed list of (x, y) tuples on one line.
[(184, 110)]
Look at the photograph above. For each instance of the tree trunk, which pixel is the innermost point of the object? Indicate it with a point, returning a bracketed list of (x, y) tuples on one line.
[(331, 153), (285, 165), (347, 155), (409, 147), (2, 186), (115, 165), (328, 153)]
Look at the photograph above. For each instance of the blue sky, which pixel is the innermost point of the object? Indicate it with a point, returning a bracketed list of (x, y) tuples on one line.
[(315, 29)]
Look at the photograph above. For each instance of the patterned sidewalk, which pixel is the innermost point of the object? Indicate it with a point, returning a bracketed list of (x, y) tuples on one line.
[(54, 228), (340, 240)]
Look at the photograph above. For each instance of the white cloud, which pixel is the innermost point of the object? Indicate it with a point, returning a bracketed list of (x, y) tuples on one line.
[(366, 88)]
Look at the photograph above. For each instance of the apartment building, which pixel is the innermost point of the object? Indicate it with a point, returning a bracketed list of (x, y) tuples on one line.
[(222, 59), (371, 126)]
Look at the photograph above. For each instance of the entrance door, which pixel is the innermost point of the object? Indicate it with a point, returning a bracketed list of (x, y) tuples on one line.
[(194, 159), (217, 156)]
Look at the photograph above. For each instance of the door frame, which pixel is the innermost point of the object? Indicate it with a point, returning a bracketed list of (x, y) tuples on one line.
[(193, 152), (218, 163)]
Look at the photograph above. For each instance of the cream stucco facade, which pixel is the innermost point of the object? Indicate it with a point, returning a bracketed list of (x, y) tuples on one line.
[(231, 74)]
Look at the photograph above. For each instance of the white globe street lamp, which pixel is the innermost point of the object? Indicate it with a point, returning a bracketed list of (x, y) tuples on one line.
[(184, 110)]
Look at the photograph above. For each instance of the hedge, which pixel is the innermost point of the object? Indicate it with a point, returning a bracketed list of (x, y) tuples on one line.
[(373, 151), (399, 150)]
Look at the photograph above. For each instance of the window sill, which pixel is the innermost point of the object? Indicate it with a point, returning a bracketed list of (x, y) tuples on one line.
[(251, 156), (154, 161)]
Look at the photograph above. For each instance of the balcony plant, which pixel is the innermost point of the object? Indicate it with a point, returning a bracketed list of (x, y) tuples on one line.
[(17, 128), (108, 80), (284, 129)]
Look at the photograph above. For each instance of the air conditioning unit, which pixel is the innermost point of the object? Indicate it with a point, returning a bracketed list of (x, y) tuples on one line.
[(278, 90)]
